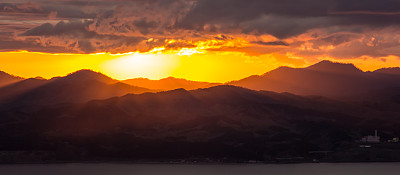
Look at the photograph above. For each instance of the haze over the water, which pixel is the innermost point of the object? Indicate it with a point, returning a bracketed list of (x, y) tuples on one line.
[(171, 169)]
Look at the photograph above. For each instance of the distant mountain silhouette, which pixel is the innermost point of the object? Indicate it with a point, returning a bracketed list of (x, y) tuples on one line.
[(87, 116), (79, 86), (336, 68), (169, 83), (392, 70), (177, 110), (88, 75), (325, 78), (13, 91), (221, 122), (6, 78)]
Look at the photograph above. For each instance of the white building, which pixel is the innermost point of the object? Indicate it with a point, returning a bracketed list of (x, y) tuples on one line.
[(371, 139), (394, 140)]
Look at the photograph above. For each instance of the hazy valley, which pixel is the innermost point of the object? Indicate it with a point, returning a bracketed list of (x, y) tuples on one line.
[(284, 115)]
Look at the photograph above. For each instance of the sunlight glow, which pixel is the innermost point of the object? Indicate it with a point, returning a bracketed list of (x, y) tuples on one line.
[(153, 66), (188, 52), (218, 59)]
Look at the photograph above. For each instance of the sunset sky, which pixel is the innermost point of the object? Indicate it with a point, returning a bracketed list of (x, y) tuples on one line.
[(203, 40)]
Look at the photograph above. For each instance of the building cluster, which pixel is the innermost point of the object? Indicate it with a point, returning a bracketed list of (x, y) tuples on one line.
[(394, 140), (376, 139), (371, 138)]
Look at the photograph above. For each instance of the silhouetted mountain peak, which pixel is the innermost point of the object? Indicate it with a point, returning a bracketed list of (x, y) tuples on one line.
[(221, 88), (389, 70), (228, 93), (39, 78), (170, 78), (182, 80), (6, 78), (325, 78), (178, 91), (86, 74), (279, 70), (225, 90), (168, 83), (334, 67), (4, 74)]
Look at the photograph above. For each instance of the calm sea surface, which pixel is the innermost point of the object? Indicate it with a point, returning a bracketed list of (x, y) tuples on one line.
[(256, 169)]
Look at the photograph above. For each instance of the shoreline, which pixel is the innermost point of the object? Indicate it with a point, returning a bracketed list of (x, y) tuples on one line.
[(192, 163)]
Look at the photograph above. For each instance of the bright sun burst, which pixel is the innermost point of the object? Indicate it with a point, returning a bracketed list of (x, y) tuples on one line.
[(188, 51), (154, 66)]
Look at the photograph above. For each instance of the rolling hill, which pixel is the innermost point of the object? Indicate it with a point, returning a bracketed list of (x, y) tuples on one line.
[(325, 78), (6, 79), (79, 86), (221, 122), (169, 83), (87, 116)]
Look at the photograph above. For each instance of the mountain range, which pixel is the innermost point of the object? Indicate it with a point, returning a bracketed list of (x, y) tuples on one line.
[(6, 79), (325, 78), (169, 83), (87, 116), (79, 86)]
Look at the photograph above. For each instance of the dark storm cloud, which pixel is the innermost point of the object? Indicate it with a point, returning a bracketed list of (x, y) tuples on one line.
[(337, 39), (145, 26), (367, 5), (376, 44), (237, 11), (222, 37), (178, 45), (286, 18), (20, 8), (271, 43), (86, 46), (79, 38), (76, 29), (9, 44), (127, 25), (62, 11)]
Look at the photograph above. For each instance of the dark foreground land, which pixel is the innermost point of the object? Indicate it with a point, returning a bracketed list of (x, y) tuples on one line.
[(218, 124), (88, 117), (225, 169)]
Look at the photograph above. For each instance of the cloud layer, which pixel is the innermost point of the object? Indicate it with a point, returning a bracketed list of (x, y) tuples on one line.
[(307, 28)]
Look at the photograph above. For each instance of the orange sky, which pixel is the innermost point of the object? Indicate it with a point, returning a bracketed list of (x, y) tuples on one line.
[(211, 66), (202, 40)]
